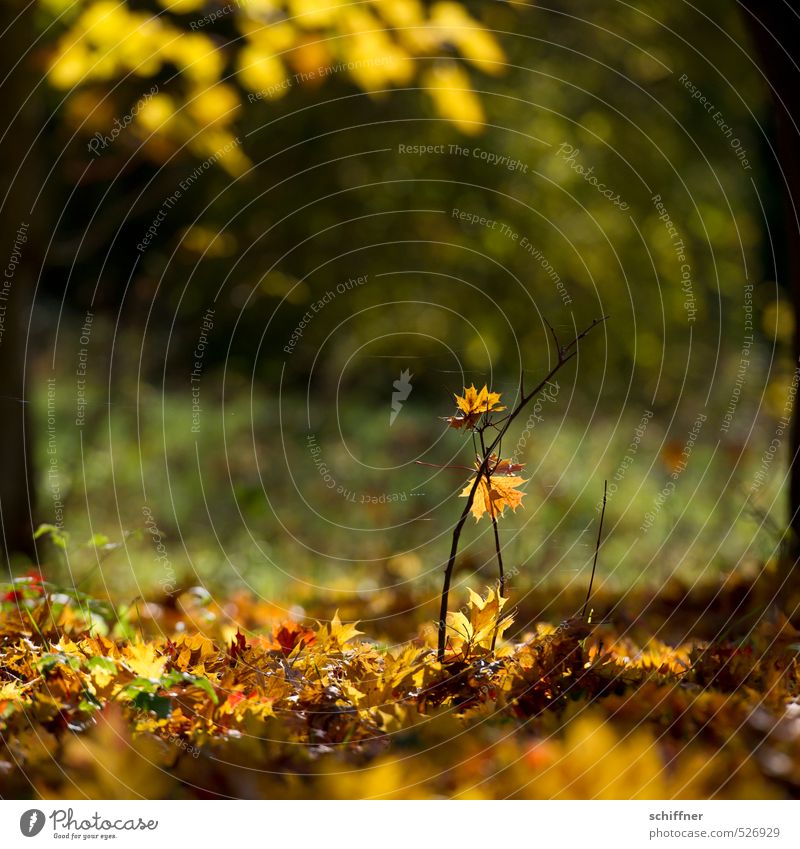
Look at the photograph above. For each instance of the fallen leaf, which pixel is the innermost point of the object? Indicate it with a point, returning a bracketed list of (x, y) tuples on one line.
[(142, 660)]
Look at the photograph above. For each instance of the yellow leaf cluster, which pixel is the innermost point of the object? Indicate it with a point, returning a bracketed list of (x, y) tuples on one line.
[(377, 44)]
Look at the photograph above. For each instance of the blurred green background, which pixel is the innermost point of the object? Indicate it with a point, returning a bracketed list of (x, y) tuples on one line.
[(591, 112)]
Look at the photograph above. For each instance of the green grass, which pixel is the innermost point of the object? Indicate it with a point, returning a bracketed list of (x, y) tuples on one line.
[(243, 503)]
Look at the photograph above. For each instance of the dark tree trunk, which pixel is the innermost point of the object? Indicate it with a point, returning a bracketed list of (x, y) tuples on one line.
[(18, 264), (775, 30)]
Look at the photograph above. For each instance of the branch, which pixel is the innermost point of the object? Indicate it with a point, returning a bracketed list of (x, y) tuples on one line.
[(596, 550)]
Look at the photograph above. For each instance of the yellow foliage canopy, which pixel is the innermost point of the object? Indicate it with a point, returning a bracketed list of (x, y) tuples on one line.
[(378, 44)]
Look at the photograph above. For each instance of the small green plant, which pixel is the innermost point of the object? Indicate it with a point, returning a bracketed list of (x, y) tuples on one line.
[(495, 484)]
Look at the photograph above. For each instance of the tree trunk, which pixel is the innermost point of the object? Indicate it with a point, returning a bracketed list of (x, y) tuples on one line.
[(18, 264), (775, 30)]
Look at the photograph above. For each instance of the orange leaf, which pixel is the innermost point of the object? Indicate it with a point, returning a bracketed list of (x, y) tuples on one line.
[(494, 495), (497, 466)]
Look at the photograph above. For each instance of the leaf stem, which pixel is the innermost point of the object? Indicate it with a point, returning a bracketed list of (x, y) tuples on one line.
[(502, 577)]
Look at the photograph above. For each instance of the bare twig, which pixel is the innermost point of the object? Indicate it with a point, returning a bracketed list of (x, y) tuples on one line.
[(555, 338), (436, 466), (596, 550)]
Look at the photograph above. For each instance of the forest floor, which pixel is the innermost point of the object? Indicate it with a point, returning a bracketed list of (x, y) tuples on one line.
[(690, 692)]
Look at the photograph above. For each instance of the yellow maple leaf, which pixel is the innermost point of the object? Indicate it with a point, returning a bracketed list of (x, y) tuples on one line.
[(486, 617), (495, 494), (459, 630), (103, 674), (10, 691), (339, 633), (476, 628), (472, 405), (483, 401), (141, 659)]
